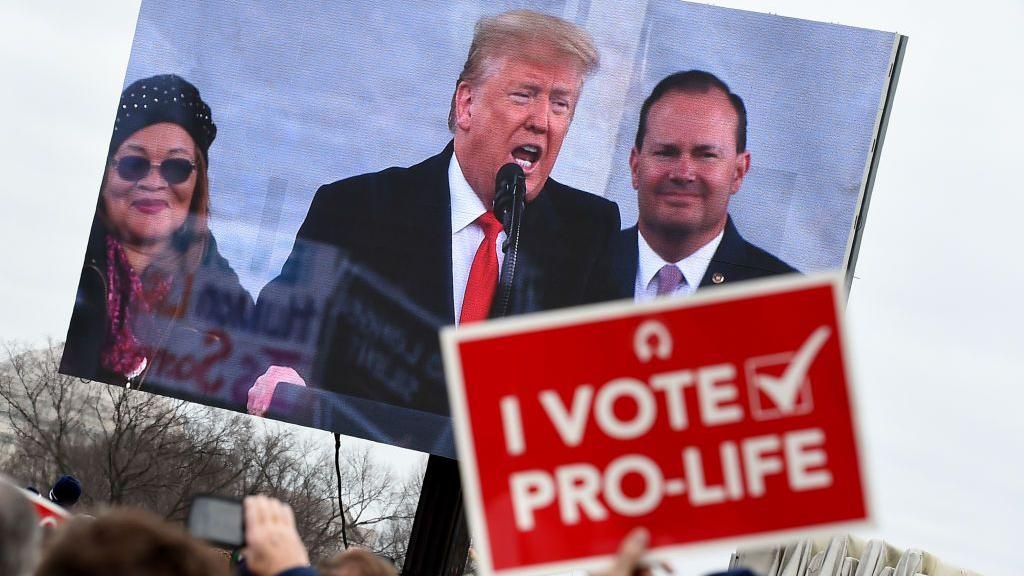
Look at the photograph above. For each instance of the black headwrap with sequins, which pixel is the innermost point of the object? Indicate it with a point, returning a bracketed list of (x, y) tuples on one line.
[(163, 98)]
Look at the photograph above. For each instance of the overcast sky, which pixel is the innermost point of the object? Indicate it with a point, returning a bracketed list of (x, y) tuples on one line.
[(934, 312)]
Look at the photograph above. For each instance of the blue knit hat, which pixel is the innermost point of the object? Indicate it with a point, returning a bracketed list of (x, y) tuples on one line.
[(66, 491)]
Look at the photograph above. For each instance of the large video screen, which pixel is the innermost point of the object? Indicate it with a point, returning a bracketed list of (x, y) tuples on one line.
[(287, 217)]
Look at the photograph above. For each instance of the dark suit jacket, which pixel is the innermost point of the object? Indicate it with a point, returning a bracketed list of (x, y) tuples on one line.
[(735, 260), (394, 227)]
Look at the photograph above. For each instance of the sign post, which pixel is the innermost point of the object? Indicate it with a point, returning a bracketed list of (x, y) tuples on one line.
[(725, 415)]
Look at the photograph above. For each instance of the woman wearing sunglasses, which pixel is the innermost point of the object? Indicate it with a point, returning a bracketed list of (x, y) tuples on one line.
[(150, 248)]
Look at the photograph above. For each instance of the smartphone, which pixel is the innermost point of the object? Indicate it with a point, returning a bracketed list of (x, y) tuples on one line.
[(217, 520)]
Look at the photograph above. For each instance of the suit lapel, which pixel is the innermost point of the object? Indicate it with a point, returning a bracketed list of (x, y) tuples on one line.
[(625, 259), (426, 244), (543, 256), (724, 264), (533, 262)]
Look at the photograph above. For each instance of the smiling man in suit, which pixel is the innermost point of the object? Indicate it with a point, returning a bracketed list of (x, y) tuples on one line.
[(690, 156)]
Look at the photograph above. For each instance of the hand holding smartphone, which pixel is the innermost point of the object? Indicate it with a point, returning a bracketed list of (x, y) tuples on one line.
[(264, 526), (217, 520)]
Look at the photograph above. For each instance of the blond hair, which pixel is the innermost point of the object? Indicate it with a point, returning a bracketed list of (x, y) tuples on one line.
[(507, 33)]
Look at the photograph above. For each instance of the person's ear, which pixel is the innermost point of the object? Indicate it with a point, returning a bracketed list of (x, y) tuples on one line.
[(634, 167), (464, 94), (742, 167)]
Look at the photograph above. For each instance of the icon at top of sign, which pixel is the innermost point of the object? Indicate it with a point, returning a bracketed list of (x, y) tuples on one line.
[(778, 383), (652, 339)]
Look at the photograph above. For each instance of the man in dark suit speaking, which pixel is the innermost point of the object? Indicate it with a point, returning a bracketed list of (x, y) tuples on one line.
[(426, 236), (689, 158)]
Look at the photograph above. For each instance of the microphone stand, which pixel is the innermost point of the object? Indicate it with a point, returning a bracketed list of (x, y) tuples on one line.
[(439, 543), (509, 206)]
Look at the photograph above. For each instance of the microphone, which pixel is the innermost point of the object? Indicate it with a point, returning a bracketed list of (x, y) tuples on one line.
[(509, 207), (509, 187)]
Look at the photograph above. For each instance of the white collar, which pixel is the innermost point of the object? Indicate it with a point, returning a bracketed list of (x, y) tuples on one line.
[(466, 205), (693, 266)]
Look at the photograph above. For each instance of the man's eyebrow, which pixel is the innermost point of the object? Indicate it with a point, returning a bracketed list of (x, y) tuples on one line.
[(665, 146), (562, 92), (527, 85), (708, 147)]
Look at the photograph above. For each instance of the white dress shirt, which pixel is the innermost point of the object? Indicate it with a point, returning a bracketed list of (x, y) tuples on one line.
[(693, 268), (466, 236)]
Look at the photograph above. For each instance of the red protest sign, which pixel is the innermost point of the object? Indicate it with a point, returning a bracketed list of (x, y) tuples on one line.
[(50, 514), (721, 416)]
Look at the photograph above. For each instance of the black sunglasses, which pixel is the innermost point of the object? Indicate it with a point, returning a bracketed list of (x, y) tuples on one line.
[(135, 168)]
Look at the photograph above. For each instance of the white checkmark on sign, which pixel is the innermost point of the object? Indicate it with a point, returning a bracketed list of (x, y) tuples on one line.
[(785, 389)]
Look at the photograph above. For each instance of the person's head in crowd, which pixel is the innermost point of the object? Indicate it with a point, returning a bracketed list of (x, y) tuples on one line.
[(20, 535), (127, 542), (688, 160), (66, 491), (153, 206), (356, 562), (516, 96)]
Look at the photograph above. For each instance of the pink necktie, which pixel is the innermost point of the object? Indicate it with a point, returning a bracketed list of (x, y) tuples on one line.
[(669, 278)]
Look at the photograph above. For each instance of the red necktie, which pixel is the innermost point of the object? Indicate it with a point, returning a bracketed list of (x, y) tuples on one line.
[(483, 275)]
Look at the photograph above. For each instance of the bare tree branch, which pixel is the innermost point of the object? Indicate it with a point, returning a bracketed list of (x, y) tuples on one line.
[(128, 447)]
